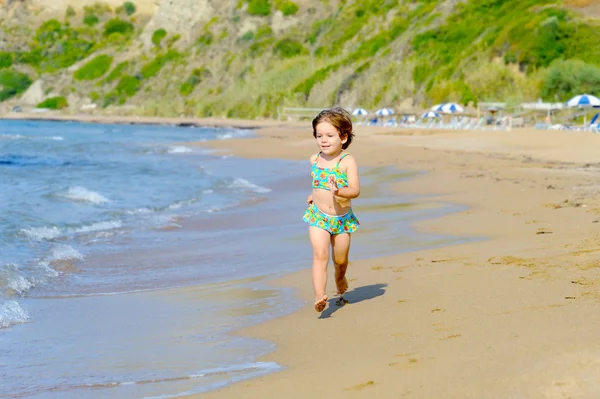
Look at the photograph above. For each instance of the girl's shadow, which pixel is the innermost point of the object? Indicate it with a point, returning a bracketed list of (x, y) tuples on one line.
[(358, 294)]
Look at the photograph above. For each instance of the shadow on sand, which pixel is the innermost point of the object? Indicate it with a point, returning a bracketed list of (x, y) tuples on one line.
[(357, 295)]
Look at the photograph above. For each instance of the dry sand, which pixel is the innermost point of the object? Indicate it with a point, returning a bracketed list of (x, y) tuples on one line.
[(513, 315)]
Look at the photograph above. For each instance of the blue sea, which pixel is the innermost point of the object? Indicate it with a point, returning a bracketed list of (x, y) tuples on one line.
[(128, 253)]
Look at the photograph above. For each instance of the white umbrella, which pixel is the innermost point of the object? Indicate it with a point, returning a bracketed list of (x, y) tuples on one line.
[(430, 114), (360, 112), (384, 112), (437, 108), (451, 108), (584, 101)]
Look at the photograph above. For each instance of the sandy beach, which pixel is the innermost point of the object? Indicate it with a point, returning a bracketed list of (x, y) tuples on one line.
[(512, 314)]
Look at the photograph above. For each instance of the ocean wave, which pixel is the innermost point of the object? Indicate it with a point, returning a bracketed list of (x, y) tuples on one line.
[(234, 372), (82, 194), (62, 252), (99, 226), (233, 134), (180, 149), (42, 233), (15, 160), (12, 280), (21, 137), (50, 233), (239, 183), (12, 313)]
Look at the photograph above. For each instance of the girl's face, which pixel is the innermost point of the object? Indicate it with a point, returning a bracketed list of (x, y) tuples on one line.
[(328, 138)]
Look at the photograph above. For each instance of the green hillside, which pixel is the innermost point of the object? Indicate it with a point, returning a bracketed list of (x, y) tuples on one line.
[(254, 57)]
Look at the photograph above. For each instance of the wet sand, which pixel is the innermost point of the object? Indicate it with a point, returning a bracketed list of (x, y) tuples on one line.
[(511, 315)]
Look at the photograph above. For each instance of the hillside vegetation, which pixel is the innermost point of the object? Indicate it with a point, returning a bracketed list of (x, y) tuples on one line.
[(250, 58)]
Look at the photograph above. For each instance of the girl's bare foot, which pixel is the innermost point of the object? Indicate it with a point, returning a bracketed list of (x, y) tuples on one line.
[(320, 304), (342, 285)]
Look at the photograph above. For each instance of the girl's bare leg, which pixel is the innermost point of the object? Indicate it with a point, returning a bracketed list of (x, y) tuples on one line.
[(340, 243), (320, 241)]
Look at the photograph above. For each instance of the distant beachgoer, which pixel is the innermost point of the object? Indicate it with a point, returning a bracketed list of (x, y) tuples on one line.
[(329, 215)]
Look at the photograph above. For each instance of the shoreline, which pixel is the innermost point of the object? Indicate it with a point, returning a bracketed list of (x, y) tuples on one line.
[(470, 320), (133, 120)]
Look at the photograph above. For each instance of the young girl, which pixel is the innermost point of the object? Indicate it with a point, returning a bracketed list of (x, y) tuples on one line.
[(329, 215)]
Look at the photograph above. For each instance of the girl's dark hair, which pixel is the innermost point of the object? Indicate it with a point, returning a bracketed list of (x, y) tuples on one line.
[(340, 119)]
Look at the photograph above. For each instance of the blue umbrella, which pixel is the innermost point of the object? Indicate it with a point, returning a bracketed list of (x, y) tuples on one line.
[(384, 112), (584, 100), (430, 114), (437, 108), (451, 108), (360, 112)]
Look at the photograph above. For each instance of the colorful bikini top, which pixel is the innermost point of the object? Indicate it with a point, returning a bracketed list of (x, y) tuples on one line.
[(320, 176)]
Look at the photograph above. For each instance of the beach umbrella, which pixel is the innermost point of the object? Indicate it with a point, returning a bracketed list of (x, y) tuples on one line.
[(360, 112), (451, 108), (437, 108), (430, 114), (384, 112), (584, 100)]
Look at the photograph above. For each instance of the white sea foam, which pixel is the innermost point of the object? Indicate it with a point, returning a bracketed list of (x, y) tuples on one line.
[(11, 137), (42, 233), (138, 211), (231, 134), (99, 226), (64, 252), (240, 183), (11, 313), (180, 149), (11, 279), (82, 194), (18, 284)]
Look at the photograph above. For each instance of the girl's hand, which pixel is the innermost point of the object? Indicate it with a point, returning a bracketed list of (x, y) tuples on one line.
[(333, 187), (309, 200)]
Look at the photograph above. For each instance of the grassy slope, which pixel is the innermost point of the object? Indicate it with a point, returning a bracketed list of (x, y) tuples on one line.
[(370, 53)]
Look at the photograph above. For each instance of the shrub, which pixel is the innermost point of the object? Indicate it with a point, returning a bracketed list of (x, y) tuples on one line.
[(117, 25), (153, 67), (97, 8), (12, 83), (53, 103), (173, 39), (128, 86), (158, 36), (288, 48), (192, 81), (568, 78), (70, 12), (128, 8), (116, 72), (287, 7), (91, 19), (95, 68), (259, 7), (55, 46), (5, 59)]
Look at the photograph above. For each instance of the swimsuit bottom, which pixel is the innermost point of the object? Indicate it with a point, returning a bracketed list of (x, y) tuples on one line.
[(347, 223)]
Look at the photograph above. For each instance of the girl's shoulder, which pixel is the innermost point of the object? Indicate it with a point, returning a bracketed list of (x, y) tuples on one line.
[(313, 158), (346, 159)]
